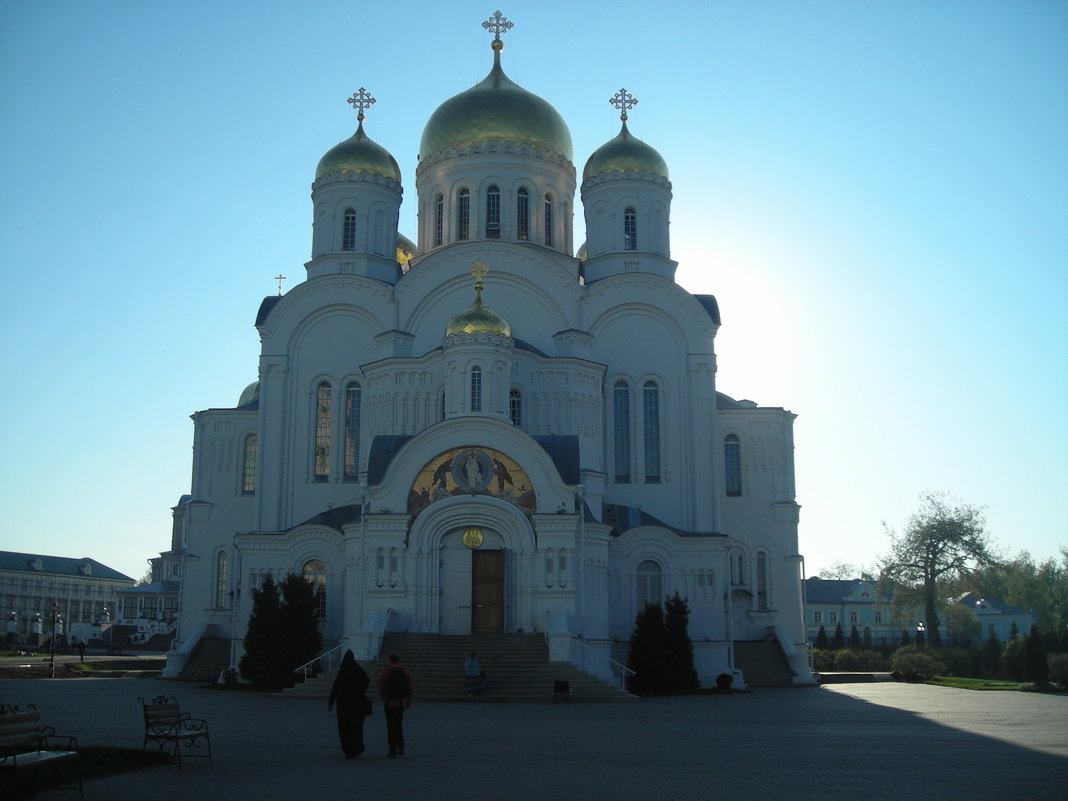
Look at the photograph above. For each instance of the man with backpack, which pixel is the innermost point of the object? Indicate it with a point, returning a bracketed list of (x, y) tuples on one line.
[(395, 687)]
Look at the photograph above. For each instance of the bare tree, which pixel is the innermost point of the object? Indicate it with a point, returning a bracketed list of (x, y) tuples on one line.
[(943, 540)]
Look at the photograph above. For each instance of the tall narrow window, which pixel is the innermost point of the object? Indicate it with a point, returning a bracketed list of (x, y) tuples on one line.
[(651, 425), (732, 465), (439, 219), (515, 407), (630, 229), (443, 404), (248, 471), (649, 584), (621, 430), (353, 395), (322, 431), (493, 213), (348, 231), (549, 220), (476, 389), (762, 580), (314, 572), (522, 214), (463, 214), (221, 589)]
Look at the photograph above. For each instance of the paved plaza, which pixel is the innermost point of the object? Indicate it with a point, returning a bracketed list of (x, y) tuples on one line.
[(858, 742)]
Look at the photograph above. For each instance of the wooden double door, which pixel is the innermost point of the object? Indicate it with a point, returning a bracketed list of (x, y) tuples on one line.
[(487, 592)]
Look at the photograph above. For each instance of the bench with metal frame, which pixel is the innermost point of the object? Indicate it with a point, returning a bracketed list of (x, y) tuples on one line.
[(27, 748), (173, 732)]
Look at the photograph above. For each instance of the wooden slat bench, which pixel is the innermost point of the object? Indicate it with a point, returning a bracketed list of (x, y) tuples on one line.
[(172, 731), (26, 748)]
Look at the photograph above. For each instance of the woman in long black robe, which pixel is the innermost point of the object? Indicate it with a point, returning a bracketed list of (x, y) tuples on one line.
[(350, 694)]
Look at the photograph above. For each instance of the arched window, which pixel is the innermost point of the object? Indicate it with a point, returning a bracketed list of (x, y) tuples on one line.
[(314, 572), (248, 470), (348, 231), (621, 430), (322, 431), (522, 214), (476, 389), (493, 213), (463, 214), (353, 395), (732, 465), (515, 406), (651, 425), (549, 220), (738, 569), (630, 229), (442, 404), (762, 580), (222, 596), (649, 584), (439, 219)]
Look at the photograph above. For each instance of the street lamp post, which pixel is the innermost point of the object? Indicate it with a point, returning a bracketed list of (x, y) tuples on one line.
[(52, 645)]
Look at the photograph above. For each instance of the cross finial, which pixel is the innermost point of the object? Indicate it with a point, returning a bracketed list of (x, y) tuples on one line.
[(623, 100), (478, 270), (498, 24), (361, 100), (279, 278)]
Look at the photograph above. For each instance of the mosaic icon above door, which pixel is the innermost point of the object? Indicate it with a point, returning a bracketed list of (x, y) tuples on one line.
[(471, 471)]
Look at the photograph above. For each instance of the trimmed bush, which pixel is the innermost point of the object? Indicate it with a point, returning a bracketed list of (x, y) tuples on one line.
[(915, 666), (1058, 669), (848, 660)]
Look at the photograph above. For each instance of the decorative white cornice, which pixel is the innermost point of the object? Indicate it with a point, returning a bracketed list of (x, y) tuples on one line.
[(497, 146), (480, 338), (357, 177), (607, 177)]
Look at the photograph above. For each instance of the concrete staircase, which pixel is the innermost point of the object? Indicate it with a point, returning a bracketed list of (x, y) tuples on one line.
[(762, 664), (211, 657), (517, 666)]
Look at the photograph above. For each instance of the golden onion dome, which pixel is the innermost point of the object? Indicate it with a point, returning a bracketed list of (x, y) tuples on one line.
[(406, 251), (582, 253), (624, 153), (250, 393), (359, 154), (478, 318), (496, 109)]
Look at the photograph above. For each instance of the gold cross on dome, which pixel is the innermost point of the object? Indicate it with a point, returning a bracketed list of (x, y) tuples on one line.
[(478, 270), (361, 100), (623, 100), (498, 24)]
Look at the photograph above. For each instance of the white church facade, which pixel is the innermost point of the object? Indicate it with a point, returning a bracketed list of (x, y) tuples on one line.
[(480, 432)]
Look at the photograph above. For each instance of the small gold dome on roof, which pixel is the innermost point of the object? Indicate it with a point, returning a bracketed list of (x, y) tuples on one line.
[(478, 319), (624, 153), (359, 153), (250, 393)]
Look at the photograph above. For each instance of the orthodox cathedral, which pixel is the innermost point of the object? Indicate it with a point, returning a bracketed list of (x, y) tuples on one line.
[(488, 430)]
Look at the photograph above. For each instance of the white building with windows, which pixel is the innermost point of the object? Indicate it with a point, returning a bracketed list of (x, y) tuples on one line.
[(485, 430)]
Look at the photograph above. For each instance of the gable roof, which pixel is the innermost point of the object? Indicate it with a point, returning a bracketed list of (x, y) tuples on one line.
[(58, 566)]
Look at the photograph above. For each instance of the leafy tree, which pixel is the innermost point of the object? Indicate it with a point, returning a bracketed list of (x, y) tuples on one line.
[(821, 639), (838, 641), (963, 625), (648, 651), (283, 632), (942, 541), (1014, 633), (1025, 584), (681, 675), (904, 637), (1036, 668)]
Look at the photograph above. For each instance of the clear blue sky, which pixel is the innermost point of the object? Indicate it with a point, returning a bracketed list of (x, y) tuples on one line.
[(877, 193)]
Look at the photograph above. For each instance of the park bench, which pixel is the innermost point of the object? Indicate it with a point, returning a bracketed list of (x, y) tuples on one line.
[(172, 731), (26, 748)]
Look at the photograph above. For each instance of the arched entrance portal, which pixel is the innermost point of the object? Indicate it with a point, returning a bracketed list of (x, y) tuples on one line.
[(473, 582)]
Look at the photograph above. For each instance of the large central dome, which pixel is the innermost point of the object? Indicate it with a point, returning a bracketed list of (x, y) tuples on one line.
[(496, 109)]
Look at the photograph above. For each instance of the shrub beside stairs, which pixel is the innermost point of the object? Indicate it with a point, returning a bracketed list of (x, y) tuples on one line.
[(517, 666)]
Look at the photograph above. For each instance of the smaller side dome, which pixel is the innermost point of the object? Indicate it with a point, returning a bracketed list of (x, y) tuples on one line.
[(406, 251), (625, 153), (250, 393), (478, 318), (359, 154)]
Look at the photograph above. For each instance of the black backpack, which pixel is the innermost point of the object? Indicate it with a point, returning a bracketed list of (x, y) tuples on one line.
[(397, 685)]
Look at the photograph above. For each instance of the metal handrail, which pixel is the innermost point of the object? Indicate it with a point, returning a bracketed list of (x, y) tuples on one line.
[(621, 671), (310, 667)]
